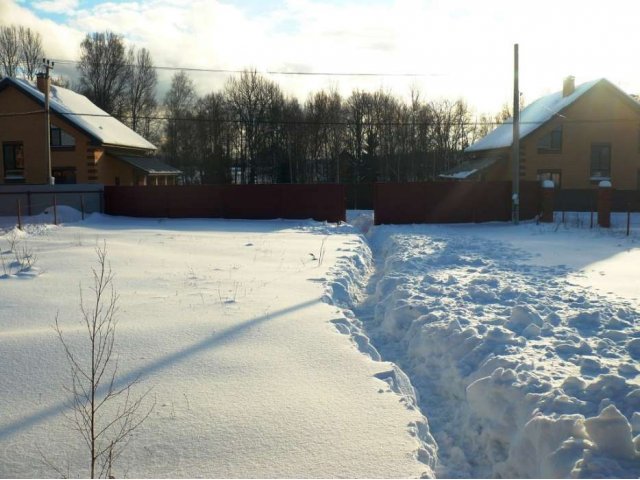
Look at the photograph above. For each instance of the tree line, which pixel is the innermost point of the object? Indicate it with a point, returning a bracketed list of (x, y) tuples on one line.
[(251, 131)]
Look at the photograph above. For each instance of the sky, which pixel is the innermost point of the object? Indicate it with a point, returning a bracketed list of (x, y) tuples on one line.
[(450, 48)]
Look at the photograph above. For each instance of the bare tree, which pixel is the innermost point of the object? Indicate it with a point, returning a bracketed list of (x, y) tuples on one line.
[(325, 137), (141, 89), (253, 103), (105, 410), (180, 102), (31, 51), (104, 72), (9, 50), (213, 142)]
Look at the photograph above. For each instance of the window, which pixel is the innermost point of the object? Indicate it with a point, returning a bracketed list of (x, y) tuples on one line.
[(64, 175), (600, 161), (13, 162), (554, 175), (551, 142), (60, 138)]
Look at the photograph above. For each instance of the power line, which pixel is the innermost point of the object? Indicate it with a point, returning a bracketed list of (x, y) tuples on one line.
[(315, 122), (277, 72)]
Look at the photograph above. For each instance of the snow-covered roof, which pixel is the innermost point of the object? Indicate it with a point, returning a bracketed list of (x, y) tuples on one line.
[(81, 112), (469, 168), (532, 117), (150, 165)]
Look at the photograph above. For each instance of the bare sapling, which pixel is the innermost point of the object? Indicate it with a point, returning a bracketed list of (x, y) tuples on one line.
[(24, 258), (320, 257), (104, 410)]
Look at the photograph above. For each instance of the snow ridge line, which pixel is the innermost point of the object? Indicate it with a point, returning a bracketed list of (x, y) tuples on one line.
[(521, 374), (345, 289)]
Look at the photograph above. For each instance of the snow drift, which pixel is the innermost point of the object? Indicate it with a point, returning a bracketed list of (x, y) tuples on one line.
[(520, 372)]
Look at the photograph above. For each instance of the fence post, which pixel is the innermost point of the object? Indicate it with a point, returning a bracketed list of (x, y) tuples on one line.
[(29, 203), (548, 192), (19, 215), (82, 205), (55, 210), (604, 204), (628, 217)]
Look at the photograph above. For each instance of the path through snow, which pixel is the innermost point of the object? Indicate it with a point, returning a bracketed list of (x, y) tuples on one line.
[(520, 372)]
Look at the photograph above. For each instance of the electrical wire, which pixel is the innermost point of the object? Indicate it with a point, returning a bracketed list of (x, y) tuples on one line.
[(318, 123), (275, 72)]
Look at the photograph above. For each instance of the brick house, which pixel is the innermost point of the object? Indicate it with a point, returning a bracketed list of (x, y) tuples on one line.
[(87, 144), (576, 137)]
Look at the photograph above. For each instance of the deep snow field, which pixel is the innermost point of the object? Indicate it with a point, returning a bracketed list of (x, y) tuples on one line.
[(269, 345)]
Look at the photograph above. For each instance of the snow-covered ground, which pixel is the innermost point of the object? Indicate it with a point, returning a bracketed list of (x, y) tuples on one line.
[(225, 322), (522, 342), (268, 346)]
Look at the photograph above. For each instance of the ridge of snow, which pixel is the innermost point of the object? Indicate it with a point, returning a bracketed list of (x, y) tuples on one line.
[(345, 289), (520, 373)]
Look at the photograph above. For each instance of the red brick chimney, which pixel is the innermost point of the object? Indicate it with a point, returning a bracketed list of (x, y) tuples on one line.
[(43, 82), (568, 86)]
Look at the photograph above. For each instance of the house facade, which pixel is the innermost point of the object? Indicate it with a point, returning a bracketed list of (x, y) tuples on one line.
[(87, 144), (576, 137)]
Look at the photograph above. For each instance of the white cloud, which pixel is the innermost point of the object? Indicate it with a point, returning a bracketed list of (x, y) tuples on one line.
[(59, 41), (463, 48), (56, 6)]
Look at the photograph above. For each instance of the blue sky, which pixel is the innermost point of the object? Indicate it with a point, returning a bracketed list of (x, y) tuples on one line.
[(461, 48)]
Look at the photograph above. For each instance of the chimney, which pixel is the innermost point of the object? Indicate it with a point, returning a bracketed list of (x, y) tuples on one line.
[(42, 82), (568, 86)]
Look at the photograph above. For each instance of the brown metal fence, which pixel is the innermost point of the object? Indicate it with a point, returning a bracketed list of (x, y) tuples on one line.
[(452, 202), (323, 202)]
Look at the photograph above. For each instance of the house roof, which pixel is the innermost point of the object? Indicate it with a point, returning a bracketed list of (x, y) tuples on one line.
[(469, 168), (149, 165), (83, 114), (534, 116)]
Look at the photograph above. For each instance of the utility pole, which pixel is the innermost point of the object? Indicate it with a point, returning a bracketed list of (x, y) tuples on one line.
[(48, 65), (515, 154)]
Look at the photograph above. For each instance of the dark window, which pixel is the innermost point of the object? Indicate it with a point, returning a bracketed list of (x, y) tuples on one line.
[(600, 161), (60, 138), (13, 161), (64, 175), (553, 175), (117, 181), (551, 142)]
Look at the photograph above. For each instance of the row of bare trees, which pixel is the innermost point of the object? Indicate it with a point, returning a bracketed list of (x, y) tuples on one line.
[(21, 51), (251, 132), (120, 80)]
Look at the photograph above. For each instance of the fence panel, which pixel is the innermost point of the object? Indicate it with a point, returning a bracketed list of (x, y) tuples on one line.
[(452, 202), (258, 202), (35, 199), (586, 200)]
